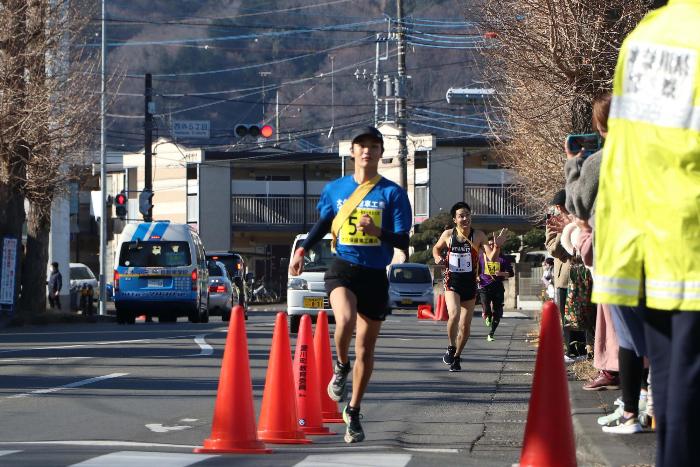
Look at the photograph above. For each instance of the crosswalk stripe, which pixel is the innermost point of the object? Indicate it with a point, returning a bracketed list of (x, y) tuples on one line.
[(143, 459), (356, 460)]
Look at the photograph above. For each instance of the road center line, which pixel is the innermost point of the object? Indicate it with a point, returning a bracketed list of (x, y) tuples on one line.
[(69, 386)]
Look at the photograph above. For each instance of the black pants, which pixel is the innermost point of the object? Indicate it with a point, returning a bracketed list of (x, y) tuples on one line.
[(674, 353), (560, 301), (54, 301), (492, 299)]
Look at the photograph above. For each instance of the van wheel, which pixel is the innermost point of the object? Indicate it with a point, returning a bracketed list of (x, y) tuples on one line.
[(193, 315), (294, 322), (226, 315), (204, 317)]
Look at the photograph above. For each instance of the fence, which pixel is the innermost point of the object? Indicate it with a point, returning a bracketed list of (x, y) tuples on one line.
[(274, 209)]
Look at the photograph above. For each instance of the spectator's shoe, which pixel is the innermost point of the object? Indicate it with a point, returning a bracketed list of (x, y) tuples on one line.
[(449, 356), (605, 419), (354, 432), (337, 388), (490, 338), (645, 420), (568, 360), (455, 366), (642, 403), (622, 425), (604, 380)]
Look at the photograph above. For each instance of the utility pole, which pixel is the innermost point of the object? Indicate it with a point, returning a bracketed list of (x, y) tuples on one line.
[(148, 143), (105, 217), (401, 96)]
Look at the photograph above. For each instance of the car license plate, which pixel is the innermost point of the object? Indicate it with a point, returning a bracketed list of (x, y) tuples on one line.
[(313, 302), (406, 301), (155, 282)]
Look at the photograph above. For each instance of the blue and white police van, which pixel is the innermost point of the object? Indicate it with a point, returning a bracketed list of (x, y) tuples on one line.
[(160, 270)]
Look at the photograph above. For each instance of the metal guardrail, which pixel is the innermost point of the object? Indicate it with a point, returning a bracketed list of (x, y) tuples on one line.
[(496, 201), (273, 209)]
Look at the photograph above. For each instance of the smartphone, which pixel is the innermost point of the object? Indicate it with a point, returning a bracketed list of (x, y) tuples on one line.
[(587, 142)]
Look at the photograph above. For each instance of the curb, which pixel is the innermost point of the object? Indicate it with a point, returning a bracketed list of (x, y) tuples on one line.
[(593, 446)]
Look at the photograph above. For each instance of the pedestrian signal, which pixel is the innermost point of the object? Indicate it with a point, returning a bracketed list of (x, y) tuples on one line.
[(120, 204), (146, 202)]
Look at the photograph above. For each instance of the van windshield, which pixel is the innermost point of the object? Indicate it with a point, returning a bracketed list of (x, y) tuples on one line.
[(410, 275), (319, 258), (154, 254)]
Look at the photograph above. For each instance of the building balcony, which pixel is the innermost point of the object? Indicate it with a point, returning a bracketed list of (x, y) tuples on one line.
[(250, 212), (494, 202)]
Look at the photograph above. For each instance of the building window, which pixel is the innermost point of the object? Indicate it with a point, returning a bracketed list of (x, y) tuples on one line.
[(191, 172), (420, 203), (421, 159)]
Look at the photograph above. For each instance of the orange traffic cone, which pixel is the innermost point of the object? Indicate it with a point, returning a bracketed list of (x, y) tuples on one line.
[(441, 311), (278, 415), (324, 364), (233, 427), (425, 312), (306, 382), (549, 432)]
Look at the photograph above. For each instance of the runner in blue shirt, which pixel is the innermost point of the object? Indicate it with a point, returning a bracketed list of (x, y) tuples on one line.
[(356, 281)]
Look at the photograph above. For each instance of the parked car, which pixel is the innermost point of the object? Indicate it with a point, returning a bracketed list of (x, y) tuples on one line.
[(236, 270), (535, 258), (222, 293), (306, 293), (410, 285), (81, 274)]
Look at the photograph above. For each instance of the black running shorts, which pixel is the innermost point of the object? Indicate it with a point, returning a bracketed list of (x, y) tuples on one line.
[(370, 286), (462, 283)]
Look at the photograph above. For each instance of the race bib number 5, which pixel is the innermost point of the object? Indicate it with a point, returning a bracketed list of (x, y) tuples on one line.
[(460, 262), (349, 233)]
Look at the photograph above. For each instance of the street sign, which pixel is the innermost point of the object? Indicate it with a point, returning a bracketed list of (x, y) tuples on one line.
[(8, 273), (191, 128)]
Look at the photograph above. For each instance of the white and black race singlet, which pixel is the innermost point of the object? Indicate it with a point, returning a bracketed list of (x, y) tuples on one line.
[(460, 271)]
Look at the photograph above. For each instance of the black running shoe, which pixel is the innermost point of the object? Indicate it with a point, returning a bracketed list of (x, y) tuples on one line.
[(337, 388), (354, 432), (455, 366), (449, 355)]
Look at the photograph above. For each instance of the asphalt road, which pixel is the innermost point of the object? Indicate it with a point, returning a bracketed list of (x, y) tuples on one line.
[(101, 394)]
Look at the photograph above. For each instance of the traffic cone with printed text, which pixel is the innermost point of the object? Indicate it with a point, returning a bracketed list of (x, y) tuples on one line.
[(549, 432), (233, 427), (425, 312), (324, 364), (306, 381), (441, 309), (278, 415)]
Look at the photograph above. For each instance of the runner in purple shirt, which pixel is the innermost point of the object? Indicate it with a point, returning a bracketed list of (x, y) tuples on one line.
[(494, 270)]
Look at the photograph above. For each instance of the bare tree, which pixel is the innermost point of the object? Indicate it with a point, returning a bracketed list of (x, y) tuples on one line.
[(49, 120), (548, 59)]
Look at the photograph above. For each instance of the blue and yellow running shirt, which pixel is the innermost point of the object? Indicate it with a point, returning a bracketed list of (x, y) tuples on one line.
[(389, 208)]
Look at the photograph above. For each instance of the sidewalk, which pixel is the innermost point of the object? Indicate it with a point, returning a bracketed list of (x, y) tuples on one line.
[(593, 446)]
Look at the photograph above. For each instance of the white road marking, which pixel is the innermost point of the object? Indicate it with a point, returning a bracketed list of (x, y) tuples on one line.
[(159, 428), (143, 459), (439, 450), (514, 314), (206, 349), (188, 420), (357, 460), (30, 359), (7, 453), (69, 386)]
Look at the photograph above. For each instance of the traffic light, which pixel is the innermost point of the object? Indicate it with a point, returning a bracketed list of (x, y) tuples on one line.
[(146, 203), (120, 204), (254, 131)]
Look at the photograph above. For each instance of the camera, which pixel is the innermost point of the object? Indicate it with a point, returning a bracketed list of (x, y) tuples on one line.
[(587, 142)]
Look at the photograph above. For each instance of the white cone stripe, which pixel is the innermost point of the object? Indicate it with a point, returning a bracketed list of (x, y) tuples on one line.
[(143, 459)]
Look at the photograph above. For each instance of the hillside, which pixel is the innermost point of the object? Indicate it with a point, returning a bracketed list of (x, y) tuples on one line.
[(225, 60)]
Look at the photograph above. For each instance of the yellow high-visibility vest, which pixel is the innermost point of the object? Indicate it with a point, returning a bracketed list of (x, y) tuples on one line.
[(648, 206)]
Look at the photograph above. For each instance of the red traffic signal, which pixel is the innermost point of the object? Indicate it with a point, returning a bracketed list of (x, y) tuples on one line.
[(266, 131), (120, 205), (254, 131)]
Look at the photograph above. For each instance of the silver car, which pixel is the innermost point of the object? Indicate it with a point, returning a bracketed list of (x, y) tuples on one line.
[(410, 285), (222, 295)]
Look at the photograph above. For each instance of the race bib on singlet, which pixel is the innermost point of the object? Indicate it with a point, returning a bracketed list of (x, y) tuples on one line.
[(350, 235), (460, 262), (492, 267)]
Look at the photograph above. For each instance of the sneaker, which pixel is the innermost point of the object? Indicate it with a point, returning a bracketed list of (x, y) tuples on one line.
[(449, 355), (337, 388), (354, 432), (623, 426), (490, 338), (568, 360), (487, 321), (455, 366), (645, 420), (605, 419), (604, 380)]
